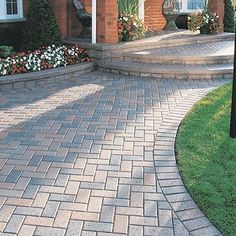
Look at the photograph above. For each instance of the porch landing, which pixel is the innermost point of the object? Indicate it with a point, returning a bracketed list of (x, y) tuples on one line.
[(181, 55)]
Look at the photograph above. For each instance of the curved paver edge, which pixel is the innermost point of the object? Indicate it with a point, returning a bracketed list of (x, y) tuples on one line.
[(169, 179)]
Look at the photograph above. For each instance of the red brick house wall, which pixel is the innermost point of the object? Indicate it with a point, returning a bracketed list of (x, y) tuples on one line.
[(107, 12), (65, 15), (153, 15)]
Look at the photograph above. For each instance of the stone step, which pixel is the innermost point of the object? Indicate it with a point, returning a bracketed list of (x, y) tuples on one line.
[(183, 60), (108, 52), (169, 71), (205, 53)]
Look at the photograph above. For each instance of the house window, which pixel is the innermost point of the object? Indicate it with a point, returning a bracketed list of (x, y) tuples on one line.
[(191, 5), (12, 7), (11, 10), (195, 4)]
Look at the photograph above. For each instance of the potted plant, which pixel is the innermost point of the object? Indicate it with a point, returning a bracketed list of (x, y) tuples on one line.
[(205, 21)]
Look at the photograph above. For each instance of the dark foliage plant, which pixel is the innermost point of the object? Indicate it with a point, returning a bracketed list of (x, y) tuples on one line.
[(229, 16), (6, 51), (41, 28)]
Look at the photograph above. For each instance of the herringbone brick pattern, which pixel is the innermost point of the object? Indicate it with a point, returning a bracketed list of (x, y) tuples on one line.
[(78, 157)]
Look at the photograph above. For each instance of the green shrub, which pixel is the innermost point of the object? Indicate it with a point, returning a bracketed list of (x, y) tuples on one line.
[(6, 51), (229, 16), (128, 6), (41, 28), (11, 34)]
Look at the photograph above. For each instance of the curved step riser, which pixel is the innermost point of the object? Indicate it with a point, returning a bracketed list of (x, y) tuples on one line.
[(180, 61), (222, 75)]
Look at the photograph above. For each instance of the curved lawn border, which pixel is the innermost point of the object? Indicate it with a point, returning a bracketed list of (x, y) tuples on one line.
[(45, 76), (207, 158), (168, 176)]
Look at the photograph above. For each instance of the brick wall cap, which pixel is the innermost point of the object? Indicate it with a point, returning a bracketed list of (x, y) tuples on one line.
[(9, 79)]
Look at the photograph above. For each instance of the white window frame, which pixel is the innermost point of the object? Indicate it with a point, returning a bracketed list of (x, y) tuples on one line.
[(3, 11), (185, 9)]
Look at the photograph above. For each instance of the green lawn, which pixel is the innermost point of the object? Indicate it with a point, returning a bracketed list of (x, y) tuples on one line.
[(207, 158)]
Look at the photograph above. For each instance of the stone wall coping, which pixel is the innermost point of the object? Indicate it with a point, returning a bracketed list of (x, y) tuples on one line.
[(161, 40), (176, 57), (44, 74)]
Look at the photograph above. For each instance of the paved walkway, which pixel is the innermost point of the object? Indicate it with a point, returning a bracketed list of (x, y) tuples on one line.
[(225, 48), (95, 157)]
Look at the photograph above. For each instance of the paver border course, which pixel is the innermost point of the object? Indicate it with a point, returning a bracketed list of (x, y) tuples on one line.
[(168, 176), (46, 76)]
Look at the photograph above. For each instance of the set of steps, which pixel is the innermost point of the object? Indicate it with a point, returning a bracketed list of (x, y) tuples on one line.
[(209, 59)]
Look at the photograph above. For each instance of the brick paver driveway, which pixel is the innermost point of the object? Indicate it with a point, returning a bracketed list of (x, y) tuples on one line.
[(76, 158)]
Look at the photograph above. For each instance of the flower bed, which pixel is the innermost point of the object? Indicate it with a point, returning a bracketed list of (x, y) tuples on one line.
[(130, 27), (42, 59), (205, 21)]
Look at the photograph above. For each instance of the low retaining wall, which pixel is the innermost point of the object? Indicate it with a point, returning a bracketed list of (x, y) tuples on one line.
[(45, 76)]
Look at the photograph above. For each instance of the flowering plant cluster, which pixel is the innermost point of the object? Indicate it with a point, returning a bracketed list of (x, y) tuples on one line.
[(205, 21), (42, 59), (130, 27)]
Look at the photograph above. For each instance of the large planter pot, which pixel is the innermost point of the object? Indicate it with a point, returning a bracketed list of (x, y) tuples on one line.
[(170, 10)]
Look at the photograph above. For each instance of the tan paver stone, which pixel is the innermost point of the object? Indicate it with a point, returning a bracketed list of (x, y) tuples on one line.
[(85, 216), (19, 202), (40, 200), (27, 230), (62, 219), (129, 211), (83, 195), (89, 233), (71, 206), (95, 204), (39, 221), (103, 193), (6, 212), (2, 226), (149, 179), (121, 224), (72, 187)]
